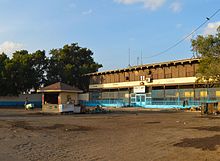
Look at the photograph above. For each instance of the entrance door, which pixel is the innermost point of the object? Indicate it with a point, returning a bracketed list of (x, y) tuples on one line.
[(140, 99)]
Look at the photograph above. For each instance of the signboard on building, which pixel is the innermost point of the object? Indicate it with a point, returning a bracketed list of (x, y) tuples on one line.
[(139, 89)]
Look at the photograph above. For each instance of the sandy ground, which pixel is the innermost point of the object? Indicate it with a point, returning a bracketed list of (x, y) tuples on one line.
[(121, 136)]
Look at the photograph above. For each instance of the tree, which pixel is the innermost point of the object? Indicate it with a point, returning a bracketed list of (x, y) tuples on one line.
[(208, 49), (25, 71), (70, 64), (39, 64), (19, 72), (3, 79)]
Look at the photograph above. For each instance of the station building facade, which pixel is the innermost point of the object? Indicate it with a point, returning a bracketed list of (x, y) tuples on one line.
[(165, 83)]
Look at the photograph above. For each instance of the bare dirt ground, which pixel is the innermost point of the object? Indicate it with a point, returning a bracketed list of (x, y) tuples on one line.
[(120, 136)]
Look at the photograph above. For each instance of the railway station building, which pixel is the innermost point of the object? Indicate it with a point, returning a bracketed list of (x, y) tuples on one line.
[(170, 83)]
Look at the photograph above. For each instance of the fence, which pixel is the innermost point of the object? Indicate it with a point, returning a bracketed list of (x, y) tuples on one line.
[(150, 104), (168, 98), (106, 103)]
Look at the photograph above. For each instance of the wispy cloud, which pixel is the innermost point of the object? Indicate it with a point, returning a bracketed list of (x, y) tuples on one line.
[(176, 6), (88, 12), (211, 28), (9, 47), (148, 4)]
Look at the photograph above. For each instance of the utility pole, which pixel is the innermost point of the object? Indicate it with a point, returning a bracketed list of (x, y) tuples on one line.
[(141, 58), (129, 57)]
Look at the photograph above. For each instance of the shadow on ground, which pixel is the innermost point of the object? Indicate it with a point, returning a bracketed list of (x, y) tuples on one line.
[(63, 127), (207, 143), (208, 128)]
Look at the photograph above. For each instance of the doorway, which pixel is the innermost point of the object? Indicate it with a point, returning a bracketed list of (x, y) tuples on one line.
[(140, 99)]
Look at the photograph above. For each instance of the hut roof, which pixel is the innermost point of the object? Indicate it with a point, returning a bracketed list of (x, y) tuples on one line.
[(60, 87)]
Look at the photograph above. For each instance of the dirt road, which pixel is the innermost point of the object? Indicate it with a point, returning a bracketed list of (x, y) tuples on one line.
[(136, 136)]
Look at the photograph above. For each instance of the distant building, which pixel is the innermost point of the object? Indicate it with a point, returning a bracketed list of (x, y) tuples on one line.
[(173, 83)]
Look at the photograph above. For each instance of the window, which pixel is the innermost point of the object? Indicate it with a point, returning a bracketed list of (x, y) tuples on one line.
[(133, 100), (203, 93), (142, 78), (51, 98)]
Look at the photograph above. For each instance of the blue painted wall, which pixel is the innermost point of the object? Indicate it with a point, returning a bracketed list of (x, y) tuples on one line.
[(19, 101)]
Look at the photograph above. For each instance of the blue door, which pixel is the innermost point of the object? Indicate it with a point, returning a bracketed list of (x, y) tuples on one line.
[(140, 100)]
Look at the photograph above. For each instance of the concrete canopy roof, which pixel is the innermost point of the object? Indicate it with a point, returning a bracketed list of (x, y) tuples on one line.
[(59, 87)]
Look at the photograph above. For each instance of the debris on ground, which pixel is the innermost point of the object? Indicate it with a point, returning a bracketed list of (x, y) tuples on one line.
[(94, 110)]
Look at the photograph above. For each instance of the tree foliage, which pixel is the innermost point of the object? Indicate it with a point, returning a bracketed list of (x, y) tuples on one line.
[(26, 71), (23, 72), (4, 86), (69, 65), (208, 49), (39, 64)]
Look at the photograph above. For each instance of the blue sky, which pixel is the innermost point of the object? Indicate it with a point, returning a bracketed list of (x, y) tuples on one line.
[(108, 27)]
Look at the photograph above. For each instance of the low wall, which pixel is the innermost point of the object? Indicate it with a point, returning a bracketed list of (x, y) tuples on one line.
[(50, 108), (18, 101)]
